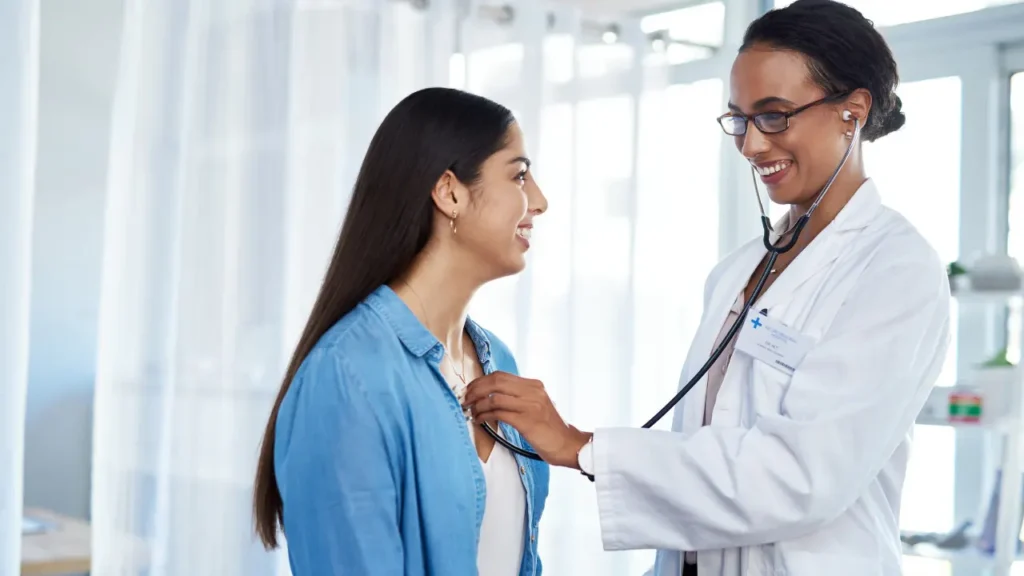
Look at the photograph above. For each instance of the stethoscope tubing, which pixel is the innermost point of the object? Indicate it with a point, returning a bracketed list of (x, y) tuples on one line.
[(773, 254)]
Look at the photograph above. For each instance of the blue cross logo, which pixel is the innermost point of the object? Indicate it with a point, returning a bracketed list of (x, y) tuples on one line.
[(756, 322)]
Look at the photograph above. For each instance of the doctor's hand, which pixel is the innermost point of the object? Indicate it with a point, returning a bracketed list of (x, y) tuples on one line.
[(524, 404)]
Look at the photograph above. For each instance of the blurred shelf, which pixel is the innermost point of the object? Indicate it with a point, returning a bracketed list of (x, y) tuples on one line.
[(984, 400)]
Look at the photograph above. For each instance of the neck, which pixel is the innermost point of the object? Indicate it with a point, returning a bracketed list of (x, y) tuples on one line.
[(850, 179), (438, 293)]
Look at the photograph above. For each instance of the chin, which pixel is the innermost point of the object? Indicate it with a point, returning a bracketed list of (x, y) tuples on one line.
[(788, 195), (783, 197), (515, 266), (497, 269)]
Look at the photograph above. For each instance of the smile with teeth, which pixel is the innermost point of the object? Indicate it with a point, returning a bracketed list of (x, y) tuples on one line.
[(772, 168), (524, 233)]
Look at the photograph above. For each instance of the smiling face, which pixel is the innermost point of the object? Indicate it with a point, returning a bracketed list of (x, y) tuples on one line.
[(507, 201), (795, 163), (493, 228)]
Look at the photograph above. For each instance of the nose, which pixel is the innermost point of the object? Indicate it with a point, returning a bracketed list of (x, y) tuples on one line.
[(752, 143), (537, 203)]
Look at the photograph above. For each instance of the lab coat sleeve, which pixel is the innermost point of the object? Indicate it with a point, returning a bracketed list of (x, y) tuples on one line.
[(336, 480), (847, 408)]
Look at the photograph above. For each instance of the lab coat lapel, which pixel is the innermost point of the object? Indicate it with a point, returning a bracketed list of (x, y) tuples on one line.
[(862, 208), (723, 294)]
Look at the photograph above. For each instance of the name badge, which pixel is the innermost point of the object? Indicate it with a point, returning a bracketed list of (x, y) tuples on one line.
[(773, 343)]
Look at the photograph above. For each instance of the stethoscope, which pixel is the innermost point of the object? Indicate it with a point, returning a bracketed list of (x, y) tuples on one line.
[(773, 254)]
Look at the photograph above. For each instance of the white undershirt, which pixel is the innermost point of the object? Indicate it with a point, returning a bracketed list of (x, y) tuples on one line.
[(502, 533)]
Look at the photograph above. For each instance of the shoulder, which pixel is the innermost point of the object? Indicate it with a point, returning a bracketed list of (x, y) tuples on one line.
[(892, 275), (357, 345), (343, 369), (896, 251)]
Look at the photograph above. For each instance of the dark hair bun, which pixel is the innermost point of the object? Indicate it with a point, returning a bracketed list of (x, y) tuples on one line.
[(894, 119), (844, 52)]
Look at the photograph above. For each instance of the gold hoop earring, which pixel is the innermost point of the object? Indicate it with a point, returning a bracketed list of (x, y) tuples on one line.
[(451, 223)]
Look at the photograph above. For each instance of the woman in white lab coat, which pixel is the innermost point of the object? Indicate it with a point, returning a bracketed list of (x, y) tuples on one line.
[(770, 471)]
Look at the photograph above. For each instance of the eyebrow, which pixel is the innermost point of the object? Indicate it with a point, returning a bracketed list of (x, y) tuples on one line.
[(764, 102), (521, 159)]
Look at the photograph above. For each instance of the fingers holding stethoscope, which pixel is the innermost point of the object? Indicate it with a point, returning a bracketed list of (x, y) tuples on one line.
[(500, 394), (524, 404)]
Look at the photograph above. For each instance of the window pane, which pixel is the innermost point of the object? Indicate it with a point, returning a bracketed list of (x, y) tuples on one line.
[(600, 59), (493, 69), (917, 170), (676, 241), (891, 13), (1015, 244), (684, 35), (677, 233)]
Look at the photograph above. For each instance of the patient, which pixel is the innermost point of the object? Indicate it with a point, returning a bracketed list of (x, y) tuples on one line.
[(369, 464)]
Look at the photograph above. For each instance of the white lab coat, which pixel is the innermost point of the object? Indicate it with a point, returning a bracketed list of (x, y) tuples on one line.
[(797, 475)]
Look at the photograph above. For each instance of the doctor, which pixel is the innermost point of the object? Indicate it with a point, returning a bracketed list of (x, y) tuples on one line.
[(789, 457)]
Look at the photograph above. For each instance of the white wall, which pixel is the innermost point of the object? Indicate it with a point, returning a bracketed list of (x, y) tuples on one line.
[(78, 62)]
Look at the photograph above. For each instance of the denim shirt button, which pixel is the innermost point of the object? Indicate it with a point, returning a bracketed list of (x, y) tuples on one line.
[(522, 469)]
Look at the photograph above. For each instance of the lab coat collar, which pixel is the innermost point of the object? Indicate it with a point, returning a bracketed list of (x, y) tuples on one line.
[(859, 211)]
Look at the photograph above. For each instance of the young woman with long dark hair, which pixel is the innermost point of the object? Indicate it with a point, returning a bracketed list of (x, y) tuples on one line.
[(369, 463)]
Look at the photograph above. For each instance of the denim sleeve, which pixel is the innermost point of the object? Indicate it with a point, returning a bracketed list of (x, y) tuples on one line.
[(336, 478)]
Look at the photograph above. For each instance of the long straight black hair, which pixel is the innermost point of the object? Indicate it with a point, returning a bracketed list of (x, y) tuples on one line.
[(389, 221)]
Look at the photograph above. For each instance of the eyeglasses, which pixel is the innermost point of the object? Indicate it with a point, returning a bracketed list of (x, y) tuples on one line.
[(768, 122)]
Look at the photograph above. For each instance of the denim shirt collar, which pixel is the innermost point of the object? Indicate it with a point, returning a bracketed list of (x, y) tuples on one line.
[(415, 336)]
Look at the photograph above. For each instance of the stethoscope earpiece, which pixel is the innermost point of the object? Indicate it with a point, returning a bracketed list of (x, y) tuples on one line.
[(847, 115)]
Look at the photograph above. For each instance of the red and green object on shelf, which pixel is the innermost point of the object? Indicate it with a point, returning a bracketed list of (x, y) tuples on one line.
[(965, 407)]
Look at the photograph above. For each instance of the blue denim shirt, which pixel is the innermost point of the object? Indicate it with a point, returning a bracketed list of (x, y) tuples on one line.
[(375, 464)]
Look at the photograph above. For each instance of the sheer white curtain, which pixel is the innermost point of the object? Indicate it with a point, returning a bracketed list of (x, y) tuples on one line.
[(239, 126), (629, 161), (19, 76)]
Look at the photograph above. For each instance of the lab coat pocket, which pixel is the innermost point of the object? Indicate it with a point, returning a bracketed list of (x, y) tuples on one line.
[(768, 387)]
